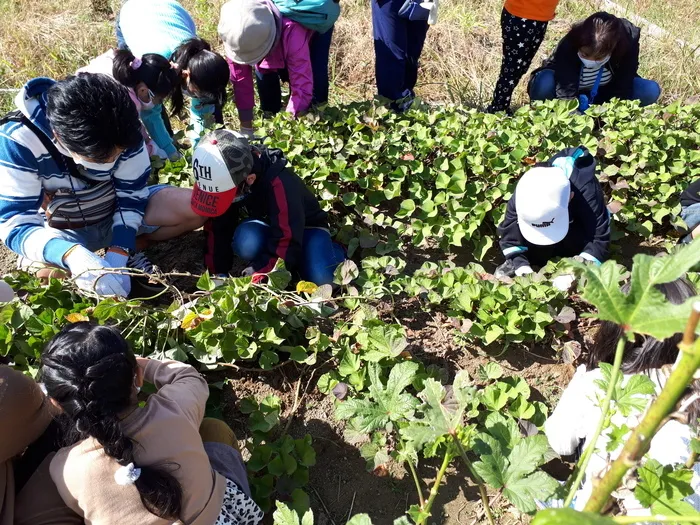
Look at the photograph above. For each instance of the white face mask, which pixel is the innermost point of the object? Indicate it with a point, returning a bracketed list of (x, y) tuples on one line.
[(96, 166), (593, 64), (150, 104), (86, 164)]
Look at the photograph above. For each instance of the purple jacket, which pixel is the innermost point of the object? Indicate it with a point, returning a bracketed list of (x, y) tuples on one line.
[(290, 52)]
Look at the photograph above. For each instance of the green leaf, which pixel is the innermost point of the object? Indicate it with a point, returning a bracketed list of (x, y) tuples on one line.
[(385, 341), (663, 489), (205, 283), (383, 403), (527, 454), (635, 394), (489, 371), (284, 515), (644, 310), (346, 272), (360, 519), (492, 463), (522, 492)]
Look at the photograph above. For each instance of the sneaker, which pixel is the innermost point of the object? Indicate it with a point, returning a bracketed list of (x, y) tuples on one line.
[(142, 286)]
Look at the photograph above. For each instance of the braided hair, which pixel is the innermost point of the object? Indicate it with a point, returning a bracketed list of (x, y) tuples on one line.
[(89, 371)]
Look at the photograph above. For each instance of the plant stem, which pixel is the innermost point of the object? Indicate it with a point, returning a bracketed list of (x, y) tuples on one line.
[(638, 443), (436, 486), (605, 407), (657, 519), (477, 479), (421, 499)]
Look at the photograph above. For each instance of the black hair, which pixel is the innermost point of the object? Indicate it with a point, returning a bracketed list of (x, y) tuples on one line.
[(92, 114), (89, 371), (209, 71), (645, 353), (155, 71), (604, 34)]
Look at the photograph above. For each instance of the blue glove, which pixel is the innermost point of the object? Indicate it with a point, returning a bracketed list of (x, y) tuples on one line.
[(566, 164), (583, 103), (414, 11)]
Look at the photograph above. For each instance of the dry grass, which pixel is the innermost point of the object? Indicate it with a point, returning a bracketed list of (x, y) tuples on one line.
[(460, 62)]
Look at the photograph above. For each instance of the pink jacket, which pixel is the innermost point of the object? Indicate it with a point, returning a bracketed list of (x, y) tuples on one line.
[(290, 52)]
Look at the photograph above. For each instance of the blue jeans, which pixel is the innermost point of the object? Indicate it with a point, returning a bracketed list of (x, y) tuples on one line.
[(320, 255), (319, 50), (691, 217), (398, 43), (543, 87)]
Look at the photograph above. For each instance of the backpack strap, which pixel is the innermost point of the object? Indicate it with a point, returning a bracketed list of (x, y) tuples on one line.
[(60, 159)]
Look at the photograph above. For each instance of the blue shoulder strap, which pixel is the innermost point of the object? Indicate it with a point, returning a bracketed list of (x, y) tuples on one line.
[(596, 84)]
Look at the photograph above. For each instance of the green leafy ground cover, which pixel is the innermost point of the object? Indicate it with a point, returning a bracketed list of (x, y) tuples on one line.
[(430, 184)]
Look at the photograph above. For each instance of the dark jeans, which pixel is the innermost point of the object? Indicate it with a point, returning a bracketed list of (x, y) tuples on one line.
[(270, 83), (321, 256), (398, 43), (543, 87), (319, 49)]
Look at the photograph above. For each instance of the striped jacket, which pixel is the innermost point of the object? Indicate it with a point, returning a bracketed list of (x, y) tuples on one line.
[(27, 172)]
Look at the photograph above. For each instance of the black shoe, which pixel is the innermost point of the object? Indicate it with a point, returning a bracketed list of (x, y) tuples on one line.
[(144, 286)]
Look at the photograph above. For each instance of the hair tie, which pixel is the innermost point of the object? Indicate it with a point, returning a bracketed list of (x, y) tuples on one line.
[(174, 65), (135, 64), (127, 475)]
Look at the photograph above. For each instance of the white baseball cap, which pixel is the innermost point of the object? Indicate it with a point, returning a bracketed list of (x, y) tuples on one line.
[(542, 204), (248, 29), (220, 164)]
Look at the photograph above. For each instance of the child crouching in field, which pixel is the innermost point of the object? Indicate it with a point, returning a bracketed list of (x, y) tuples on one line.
[(575, 419), (284, 219), (558, 210), (132, 464)]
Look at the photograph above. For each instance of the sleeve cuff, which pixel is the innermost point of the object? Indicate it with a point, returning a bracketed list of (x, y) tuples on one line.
[(590, 258), (124, 237), (55, 249), (245, 114), (170, 149)]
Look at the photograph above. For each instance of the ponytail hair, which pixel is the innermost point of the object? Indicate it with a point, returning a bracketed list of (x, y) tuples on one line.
[(209, 71), (89, 371), (155, 71)]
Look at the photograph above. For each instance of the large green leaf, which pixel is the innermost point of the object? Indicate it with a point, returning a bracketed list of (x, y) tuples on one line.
[(384, 403), (663, 489), (644, 310)]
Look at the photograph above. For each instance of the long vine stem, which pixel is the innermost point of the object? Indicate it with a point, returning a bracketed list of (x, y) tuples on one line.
[(638, 443), (605, 408), (421, 499), (477, 479), (436, 486), (656, 519)]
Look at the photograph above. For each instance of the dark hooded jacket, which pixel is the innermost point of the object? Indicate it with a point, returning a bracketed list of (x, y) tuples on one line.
[(279, 198), (567, 67)]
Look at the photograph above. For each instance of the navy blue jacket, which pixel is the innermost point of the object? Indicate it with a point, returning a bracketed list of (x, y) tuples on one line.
[(589, 221)]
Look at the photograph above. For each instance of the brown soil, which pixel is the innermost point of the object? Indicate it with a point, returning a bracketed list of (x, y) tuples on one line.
[(340, 484)]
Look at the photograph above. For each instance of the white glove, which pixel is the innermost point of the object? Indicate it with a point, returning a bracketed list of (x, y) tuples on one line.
[(88, 271), (248, 133), (157, 151), (175, 156), (119, 260), (248, 272), (563, 282), (523, 270), (6, 292), (433, 7)]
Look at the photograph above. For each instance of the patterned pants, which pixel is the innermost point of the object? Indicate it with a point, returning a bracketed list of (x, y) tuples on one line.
[(521, 40)]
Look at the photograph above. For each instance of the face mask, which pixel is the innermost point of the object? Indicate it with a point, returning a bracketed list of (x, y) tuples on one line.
[(96, 166), (150, 104), (593, 64)]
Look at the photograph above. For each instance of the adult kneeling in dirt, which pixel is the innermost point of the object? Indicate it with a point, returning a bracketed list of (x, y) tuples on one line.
[(284, 220), (558, 210), (595, 62), (75, 148)]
